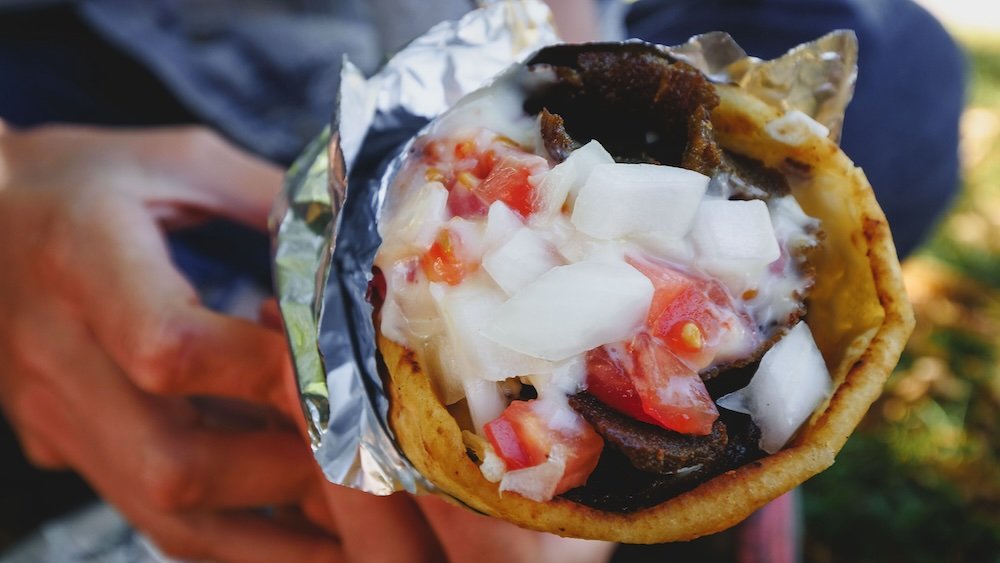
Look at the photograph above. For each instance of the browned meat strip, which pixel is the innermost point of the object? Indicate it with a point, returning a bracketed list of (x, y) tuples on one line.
[(617, 485), (651, 448)]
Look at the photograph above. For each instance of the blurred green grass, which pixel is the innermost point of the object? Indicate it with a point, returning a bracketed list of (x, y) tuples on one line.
[(920, 480)]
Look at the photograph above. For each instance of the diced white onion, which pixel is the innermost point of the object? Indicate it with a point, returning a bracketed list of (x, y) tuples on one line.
[(501, 224), (520, 261), (791, 382), (492, 467), (538, 482), (472, 235), (619, 200), (416, 224), (567, 378), (735, 240), (466, 309), (572, 309), (485, 399), (564, 181)]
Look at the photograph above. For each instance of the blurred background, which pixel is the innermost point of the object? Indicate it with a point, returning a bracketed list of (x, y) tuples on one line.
[(920, 479)]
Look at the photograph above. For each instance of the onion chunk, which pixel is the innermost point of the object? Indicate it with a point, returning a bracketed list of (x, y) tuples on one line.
[(790, 383), (572, 309)]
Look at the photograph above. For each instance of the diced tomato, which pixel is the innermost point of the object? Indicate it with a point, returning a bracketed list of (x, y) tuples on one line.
[(441, 262), (686, 312), (508, 182), (608, 380), (522, 438), (433, 152), (519, 436), (465, 204), (486, 163), (671, 392), (465, 149)]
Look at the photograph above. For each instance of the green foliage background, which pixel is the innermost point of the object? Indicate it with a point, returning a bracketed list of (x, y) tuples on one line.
[(920, 480)]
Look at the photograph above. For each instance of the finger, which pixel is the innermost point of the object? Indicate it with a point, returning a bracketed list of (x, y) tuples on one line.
[(381, 529), (314, 506), (174, 166), (120, 437), (146, 315), (240, 537), (249, 538), (194, 351), (213, 173), (467, 536), (197, 469)]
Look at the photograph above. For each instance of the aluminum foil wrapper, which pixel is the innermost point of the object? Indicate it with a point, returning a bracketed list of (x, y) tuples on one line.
[(325, 224)]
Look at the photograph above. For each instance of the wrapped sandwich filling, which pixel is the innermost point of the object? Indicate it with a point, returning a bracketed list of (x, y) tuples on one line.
[(608, 302)]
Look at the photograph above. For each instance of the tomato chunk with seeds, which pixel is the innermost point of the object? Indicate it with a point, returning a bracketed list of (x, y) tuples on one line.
[(522, 438), (670, 392), (442, 263), (688, 314)]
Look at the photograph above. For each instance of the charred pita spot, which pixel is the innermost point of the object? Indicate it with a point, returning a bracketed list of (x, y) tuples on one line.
[(735, 124), (797, 168), (409, 359), (872, 228)]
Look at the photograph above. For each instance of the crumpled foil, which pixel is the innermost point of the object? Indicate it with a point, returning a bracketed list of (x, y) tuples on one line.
[(325, 224)]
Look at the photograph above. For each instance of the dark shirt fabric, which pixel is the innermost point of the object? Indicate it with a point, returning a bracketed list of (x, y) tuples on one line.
[(265, 72)]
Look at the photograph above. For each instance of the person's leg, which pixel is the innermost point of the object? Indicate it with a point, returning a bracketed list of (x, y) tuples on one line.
[(902, 126)]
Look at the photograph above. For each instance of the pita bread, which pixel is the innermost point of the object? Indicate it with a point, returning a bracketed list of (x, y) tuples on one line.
[(858, 313)]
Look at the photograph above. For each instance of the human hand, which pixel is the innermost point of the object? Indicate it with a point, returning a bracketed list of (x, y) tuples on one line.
[(102, 341), (428, 529)]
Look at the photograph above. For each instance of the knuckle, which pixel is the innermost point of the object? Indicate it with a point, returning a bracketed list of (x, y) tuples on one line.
[(198, 141), (158, 354), (41, 455), (28, 406), (170, 482)]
